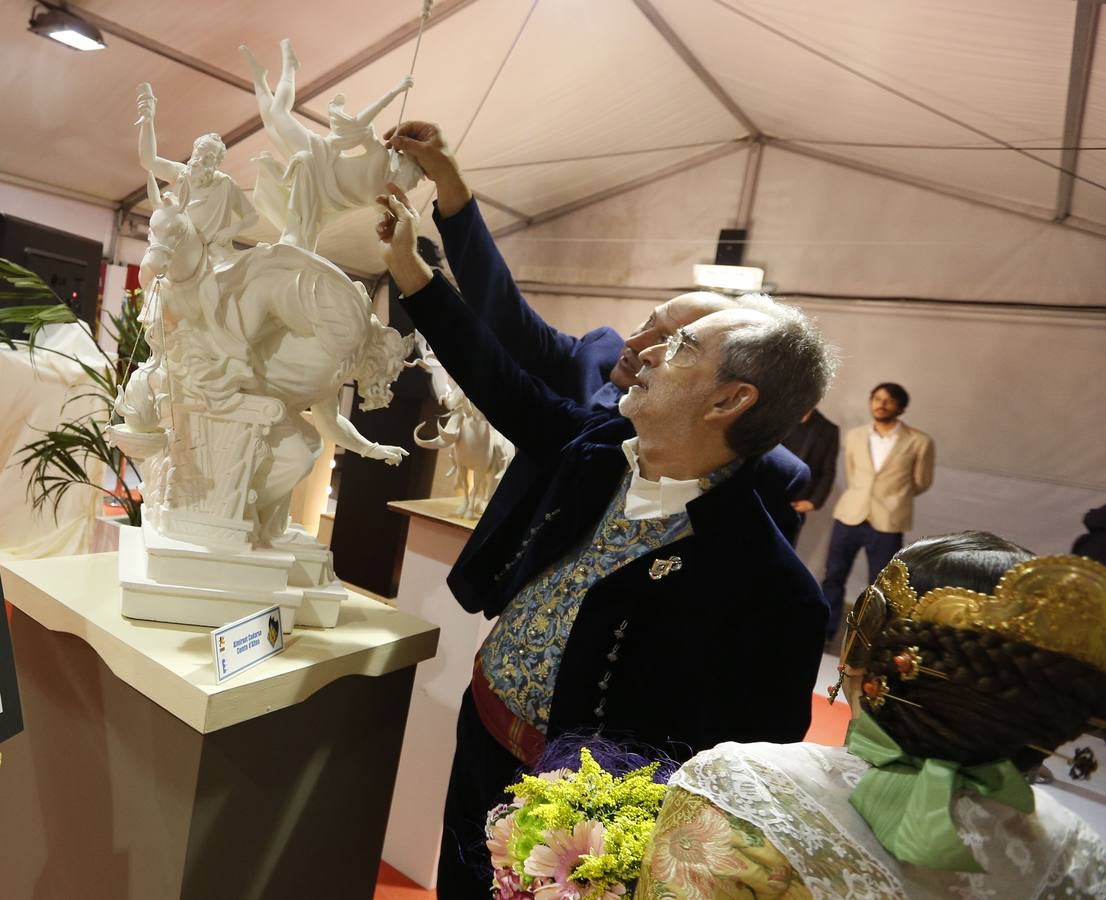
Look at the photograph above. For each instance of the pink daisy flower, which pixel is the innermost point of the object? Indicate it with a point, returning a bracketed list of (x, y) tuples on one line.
[(499, 833), (560, 855)]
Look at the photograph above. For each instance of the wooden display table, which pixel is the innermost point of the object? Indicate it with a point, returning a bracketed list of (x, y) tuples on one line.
[(139, 777), (434, 540)]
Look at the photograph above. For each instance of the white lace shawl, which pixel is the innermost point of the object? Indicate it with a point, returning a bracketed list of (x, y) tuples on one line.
[(798, 795)]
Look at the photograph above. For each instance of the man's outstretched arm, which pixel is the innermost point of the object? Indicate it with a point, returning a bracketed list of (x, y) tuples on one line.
[(516, 403), (481, 272)]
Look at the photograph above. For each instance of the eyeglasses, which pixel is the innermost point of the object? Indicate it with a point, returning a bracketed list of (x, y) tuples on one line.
[(681, 349)]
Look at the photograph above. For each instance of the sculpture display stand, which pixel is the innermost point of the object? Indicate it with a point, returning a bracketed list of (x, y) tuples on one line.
[(139, 775), (242, 344)]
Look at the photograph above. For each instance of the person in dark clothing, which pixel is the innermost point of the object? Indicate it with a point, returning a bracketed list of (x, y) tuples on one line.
[(595, 369), (1093, 543), (815, 441), (640, 586)]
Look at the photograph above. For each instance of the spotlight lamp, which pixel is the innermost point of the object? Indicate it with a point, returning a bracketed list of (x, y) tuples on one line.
[(66, 28), (729, 279)]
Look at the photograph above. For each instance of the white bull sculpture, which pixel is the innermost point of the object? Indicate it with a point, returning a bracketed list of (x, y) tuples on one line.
[(479, 455)]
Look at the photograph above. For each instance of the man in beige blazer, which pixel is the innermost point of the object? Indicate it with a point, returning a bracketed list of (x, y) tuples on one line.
[(887, 464)]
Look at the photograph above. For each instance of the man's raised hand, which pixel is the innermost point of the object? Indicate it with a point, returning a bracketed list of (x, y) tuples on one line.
[(398, 232), (426, 145)]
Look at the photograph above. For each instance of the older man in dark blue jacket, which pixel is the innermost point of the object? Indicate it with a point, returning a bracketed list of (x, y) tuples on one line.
[(595, 369), (642, 589)]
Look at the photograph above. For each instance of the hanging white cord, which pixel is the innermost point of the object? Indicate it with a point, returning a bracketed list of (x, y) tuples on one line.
[(164, 349), (130, 362), (393, 162)]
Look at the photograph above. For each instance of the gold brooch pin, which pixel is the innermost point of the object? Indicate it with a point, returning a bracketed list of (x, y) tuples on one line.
[(662, 567)]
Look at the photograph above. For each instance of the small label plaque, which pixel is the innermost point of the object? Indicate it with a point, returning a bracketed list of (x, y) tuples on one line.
[(239, 645)]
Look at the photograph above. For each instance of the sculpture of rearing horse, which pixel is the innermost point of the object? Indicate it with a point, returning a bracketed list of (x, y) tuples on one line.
[(273, 321)]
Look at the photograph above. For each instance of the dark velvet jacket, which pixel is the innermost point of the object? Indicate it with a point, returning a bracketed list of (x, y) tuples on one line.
[(725, 648), (573, 368), (816, 442)]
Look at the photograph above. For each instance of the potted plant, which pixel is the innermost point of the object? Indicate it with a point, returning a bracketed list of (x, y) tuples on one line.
[(60, 458)]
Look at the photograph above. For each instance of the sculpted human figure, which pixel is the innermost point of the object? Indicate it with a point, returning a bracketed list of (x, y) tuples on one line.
[(319, 180), (217, 206), (276, 322)]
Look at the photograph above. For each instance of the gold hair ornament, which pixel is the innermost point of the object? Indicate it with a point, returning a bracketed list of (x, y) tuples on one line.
[(1050, 602)]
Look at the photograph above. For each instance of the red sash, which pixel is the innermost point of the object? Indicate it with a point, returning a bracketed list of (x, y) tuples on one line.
[(521, 739)]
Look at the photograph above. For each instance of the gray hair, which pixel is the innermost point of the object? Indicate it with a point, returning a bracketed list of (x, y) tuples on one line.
[(787, 360)]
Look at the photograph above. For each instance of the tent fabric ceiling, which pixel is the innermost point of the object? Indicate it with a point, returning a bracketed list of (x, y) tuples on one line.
[(553, 102)]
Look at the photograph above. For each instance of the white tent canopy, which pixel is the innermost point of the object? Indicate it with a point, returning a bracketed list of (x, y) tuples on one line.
[(888, 159), (555, 102)]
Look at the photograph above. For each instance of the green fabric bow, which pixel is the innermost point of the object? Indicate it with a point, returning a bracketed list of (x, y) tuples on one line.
[(905, 799)]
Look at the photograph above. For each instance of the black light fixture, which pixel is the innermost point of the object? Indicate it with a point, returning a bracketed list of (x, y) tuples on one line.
[(66, 28)]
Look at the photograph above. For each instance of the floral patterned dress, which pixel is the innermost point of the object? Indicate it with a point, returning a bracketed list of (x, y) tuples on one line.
[(774, 821), (700, 852)]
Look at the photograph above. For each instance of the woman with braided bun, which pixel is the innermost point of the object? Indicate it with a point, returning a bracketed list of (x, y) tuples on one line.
[(966, 663)]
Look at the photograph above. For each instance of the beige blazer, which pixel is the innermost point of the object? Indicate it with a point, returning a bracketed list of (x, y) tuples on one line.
[(885, 499)]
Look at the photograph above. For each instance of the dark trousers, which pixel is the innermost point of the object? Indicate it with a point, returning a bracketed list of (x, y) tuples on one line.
[(481, 770), (846, 542)]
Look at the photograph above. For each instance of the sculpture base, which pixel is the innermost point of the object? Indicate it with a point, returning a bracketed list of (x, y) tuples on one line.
[(320, 605), (165, 580), (168, 580), (312, 574)]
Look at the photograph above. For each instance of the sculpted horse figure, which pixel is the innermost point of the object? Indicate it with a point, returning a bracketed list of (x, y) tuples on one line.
[(479, 455), (272, 321)]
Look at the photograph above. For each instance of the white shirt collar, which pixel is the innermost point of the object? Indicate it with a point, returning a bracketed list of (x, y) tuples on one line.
[(879, 445), (890, 434), (654, 499)]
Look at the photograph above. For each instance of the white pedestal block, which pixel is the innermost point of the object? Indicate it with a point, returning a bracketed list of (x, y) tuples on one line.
[(168, 580), (319, 606), (165, 580), (312, 575)]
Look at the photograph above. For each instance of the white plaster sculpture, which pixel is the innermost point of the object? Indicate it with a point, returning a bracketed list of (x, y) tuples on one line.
[(479, 455), (217, 206), (319, 177), (242, 345)]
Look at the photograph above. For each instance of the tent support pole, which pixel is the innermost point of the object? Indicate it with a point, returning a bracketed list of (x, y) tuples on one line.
[(1025, 210), (1082, 54), (667, 172), (749, 185), (692, 61)]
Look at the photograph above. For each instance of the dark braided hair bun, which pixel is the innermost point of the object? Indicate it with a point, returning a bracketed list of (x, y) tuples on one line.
[(1000, 695)]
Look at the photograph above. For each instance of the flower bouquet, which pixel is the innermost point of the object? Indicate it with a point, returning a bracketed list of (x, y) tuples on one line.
[(573, 835)]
